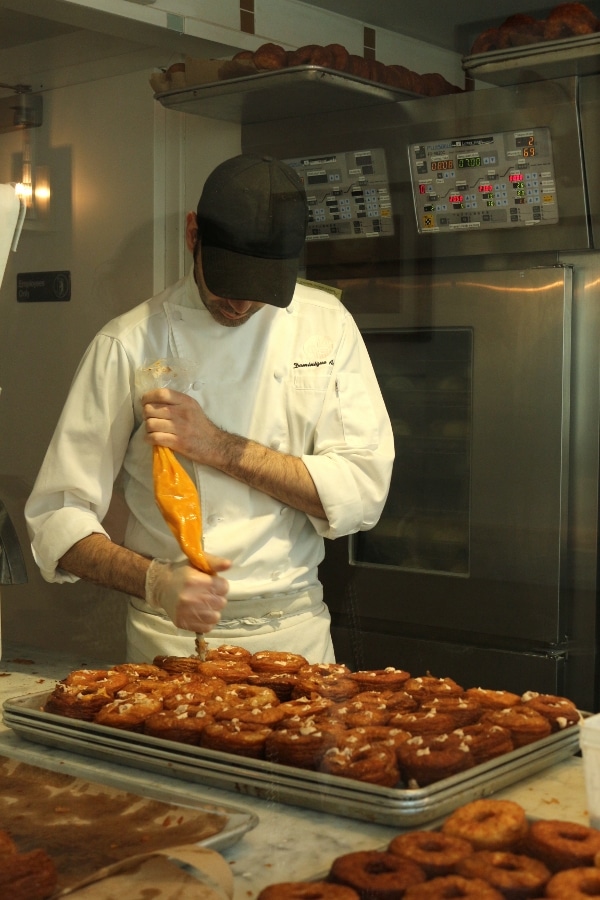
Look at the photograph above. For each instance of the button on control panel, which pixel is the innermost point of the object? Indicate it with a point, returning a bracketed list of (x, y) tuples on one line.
[(498, 180), (348, 194)]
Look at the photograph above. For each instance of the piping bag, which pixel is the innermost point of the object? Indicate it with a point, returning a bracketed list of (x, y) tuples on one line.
[(174, 491)]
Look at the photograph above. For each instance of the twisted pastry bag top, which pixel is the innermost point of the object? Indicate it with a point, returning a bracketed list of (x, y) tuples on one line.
[(297, 379)]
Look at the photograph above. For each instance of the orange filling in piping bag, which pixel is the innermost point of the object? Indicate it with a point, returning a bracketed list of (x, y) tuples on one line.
[(174, 490), (179, 503)]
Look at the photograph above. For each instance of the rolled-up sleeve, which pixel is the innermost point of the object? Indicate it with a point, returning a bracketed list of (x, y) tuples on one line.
[(353, 456), (74, 487)]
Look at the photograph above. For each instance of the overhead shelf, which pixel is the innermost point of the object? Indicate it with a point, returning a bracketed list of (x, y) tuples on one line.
[(279, 94), (547, 60)]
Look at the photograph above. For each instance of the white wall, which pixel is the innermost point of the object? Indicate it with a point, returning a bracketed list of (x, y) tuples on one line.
[(118, 166)]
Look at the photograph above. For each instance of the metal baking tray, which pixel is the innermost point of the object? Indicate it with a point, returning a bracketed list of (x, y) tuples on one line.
[(283, 93), (85, 825), (544, 61), (235, 821), (401, 807)]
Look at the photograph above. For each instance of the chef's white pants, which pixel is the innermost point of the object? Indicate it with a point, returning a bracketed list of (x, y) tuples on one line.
[(294, 623)]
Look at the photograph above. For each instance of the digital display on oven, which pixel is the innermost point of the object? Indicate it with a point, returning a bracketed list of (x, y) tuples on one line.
[(348, 194), (494, 180)]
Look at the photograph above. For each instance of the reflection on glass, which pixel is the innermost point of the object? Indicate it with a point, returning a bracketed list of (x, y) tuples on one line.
[(426, 379)]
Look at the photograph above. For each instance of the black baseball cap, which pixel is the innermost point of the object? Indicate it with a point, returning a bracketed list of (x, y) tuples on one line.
[(252, 219)]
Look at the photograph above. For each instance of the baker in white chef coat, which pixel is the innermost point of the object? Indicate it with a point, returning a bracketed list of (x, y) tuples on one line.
[(283, 428)]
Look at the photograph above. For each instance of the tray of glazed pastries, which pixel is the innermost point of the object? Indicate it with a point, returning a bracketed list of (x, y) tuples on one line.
[(382, 745), (487, 849)]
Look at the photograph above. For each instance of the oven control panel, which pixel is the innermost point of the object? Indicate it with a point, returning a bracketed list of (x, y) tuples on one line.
[(495, 180), (348, 194)]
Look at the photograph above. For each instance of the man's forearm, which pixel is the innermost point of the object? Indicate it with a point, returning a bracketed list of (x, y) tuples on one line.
[(97, 559), (177, 421), (279, 475)]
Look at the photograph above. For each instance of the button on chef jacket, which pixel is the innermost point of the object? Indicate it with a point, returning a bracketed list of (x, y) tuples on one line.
[(298, 380)]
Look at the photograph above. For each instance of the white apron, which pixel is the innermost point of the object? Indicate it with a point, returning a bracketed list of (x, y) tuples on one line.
[(294, 623)]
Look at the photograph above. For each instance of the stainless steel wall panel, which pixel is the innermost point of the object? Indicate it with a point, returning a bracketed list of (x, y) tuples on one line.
[(395, 125)]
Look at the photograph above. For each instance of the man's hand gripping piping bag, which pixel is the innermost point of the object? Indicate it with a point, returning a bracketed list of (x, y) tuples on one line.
[(175, 492), (179, 503)]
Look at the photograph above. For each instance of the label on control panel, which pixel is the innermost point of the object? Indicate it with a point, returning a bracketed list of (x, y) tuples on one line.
[(348, 194), (498, 180)]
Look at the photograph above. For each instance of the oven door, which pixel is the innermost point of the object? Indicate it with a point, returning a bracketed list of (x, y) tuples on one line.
[(475, 372)]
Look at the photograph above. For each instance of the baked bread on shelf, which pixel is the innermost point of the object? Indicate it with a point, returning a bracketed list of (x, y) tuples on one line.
[(563, 21), (270, 57), (336, 57)]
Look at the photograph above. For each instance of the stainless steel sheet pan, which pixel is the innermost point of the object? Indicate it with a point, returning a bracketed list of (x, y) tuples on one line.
[(536, 62), (298, 91), (113, 818), (400, 807)]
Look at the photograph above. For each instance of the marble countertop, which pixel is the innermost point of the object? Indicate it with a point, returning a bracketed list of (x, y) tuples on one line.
[(289, 843)]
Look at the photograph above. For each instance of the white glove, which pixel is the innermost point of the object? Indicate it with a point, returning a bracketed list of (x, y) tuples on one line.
[(191, 599)]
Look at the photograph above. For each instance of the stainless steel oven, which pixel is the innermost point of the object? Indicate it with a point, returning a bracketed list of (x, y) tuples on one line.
[(461, 233)]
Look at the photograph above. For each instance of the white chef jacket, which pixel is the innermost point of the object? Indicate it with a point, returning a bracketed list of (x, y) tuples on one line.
[(298, 380)]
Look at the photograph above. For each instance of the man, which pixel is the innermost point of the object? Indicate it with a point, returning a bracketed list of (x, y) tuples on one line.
[(283, 429)]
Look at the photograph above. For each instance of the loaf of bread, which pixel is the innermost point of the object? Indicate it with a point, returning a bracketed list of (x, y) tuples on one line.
[(563, 21), (568, 20), (272, 57)]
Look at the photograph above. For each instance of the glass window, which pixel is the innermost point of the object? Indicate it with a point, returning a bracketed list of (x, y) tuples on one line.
[(426, 380)]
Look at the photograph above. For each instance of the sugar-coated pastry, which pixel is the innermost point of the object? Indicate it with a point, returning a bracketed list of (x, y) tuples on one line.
[(574, 884), (235, 737), (376, 874), (436, 853), (425, 761), (563, 845), (492, 699), (129, 713), (488, 824), (184, 724), (389, 679), (486, 741), (560, 712), (513, 874), (464, 710), (302, 745), (370, 763), (428, 687), (271, 661), (525, 724), (229, 651), (233, 671), (428, 721), (77, 701)]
